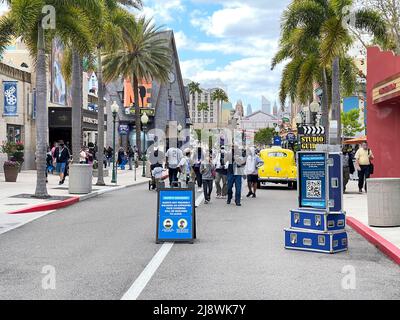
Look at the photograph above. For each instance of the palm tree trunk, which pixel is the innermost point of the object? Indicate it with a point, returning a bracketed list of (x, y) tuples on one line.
[(336, 99), (76, 106), (325, 104), (100, 129), (137, 113), (42, 118)]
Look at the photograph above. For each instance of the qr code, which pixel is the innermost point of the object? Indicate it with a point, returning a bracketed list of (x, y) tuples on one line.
[(313, 188)]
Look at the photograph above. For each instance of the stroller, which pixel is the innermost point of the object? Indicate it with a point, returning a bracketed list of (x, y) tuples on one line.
[(158, 174)]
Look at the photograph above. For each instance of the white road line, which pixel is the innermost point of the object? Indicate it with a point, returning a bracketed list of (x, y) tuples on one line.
[(141, 282), (137, 287)]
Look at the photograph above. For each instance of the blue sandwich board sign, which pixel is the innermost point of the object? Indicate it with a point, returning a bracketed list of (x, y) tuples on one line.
[(313, 180), (176, 221)]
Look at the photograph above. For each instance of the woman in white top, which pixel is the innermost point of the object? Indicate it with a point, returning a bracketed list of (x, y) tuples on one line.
[(253, 162), (82, 156)]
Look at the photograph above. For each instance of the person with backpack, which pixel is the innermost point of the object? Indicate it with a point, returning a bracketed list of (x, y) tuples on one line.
[(173, 157), (221, 173), (207, 174), (184, 168), (237, 161), (197, 159)]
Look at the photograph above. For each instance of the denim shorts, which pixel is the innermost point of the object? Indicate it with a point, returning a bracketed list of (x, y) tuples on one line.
[(60, 168)]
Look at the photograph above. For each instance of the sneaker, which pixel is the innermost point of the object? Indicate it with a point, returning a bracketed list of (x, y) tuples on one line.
[(254, 195), (206, 201), (219, 196), (199, 189), (238, 205), (249, 194)]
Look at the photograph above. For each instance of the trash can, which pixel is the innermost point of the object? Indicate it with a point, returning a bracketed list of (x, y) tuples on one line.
[(384, 202), (80, 178)]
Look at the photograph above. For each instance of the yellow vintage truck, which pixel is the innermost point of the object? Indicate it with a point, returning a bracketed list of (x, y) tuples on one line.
[(279, 167)]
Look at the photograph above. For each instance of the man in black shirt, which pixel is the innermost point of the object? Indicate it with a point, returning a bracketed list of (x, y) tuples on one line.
[(62, 156)]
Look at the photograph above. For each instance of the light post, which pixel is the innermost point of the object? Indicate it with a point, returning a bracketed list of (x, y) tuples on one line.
[(314, 108), (179, 128), (145, 120), (114, 110)]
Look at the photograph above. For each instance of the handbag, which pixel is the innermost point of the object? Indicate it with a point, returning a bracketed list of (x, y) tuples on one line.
[(371, 165)]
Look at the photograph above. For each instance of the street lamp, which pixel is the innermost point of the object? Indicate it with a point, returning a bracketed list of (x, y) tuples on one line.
[(114, 110), (314, 107), (179, 128), (145, 120)]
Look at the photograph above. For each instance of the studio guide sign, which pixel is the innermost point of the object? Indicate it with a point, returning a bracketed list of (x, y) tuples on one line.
[(311, 142), (176, 219)]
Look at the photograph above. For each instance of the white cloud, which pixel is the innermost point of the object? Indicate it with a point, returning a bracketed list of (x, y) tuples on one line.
[(247, 78), (163, 11)]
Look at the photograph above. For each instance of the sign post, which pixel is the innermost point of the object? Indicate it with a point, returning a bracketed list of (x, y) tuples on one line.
[(176, 216)]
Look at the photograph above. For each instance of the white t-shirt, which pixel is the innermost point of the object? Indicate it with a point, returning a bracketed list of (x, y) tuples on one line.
[(174, 156)]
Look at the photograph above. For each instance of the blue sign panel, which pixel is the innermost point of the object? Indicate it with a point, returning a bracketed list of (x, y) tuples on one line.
[(10, 98), (277, 141), (123, 129), (176, 216), (335, 182), (313, 178)]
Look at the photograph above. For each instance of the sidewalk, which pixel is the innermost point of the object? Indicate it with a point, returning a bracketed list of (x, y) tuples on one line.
[(356, 206), (17, 196)]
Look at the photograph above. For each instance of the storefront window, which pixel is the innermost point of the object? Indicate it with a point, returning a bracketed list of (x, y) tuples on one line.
[(14, 133)]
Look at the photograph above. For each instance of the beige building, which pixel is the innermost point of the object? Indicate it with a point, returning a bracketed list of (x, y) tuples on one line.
[(203, 119), (17, 122)]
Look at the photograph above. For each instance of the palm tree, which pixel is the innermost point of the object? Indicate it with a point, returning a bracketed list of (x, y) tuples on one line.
[(315, 39), (203, 107), (108, 36), (25, 20), (220, 96), (194, 87), (143, 55)]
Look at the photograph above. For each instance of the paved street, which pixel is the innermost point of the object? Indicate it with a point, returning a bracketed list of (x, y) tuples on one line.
[(100, 247)]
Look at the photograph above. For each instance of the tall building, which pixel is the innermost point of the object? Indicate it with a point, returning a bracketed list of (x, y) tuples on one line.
[(275, 109), (249, 110), (227, 108), (239, 108), (203, 119), (265, 105)]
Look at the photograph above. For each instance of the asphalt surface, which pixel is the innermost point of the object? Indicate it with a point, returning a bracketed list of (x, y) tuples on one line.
[(99, 248)]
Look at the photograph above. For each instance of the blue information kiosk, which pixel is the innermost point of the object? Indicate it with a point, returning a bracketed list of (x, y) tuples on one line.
[(319, 223), (176, 216)]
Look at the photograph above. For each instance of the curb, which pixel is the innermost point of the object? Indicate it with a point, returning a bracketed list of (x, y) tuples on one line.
[(47, 206), (71, 201), (388, 248)]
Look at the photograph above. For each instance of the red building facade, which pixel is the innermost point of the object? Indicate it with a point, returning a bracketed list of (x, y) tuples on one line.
[(383, 114)]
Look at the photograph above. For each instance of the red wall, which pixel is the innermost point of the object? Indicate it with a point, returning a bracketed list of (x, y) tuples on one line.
[(383, 120)]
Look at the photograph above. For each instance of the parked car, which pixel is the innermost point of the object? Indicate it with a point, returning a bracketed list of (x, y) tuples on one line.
[(279, 167)]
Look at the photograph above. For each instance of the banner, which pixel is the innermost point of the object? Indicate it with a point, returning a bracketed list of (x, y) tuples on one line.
[(10, 98)]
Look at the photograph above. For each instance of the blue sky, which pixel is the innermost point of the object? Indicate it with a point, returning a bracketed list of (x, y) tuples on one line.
[(226, 43)]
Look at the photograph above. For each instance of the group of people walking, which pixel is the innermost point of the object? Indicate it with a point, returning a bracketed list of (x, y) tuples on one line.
[(226, 167)]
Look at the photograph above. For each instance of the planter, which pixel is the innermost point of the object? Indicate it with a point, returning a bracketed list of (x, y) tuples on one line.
[(80, 178), (11, 173), (384, 202)]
